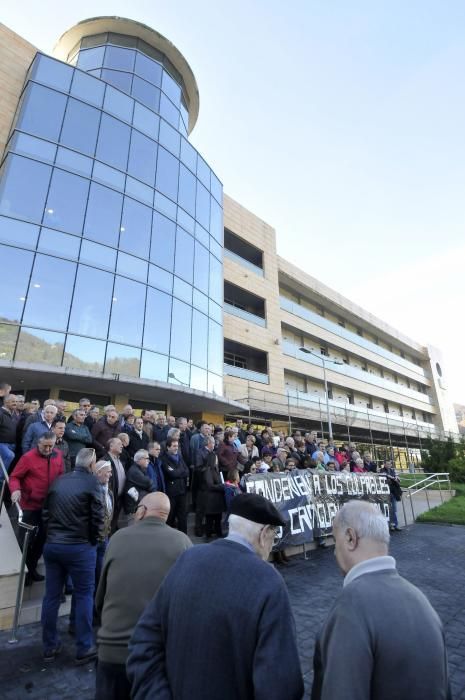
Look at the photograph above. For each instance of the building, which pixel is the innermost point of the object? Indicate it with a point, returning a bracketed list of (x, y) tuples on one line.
[(114, 273)]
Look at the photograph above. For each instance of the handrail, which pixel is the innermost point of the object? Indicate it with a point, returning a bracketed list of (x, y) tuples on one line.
[(432, 478)]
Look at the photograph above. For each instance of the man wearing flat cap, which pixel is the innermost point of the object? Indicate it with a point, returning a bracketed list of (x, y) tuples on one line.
[(220, 625)]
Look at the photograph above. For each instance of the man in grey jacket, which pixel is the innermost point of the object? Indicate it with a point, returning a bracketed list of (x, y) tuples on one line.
[(136, 561), (382, 639)]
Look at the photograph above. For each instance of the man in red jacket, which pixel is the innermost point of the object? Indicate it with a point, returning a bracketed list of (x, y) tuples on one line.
[(29, 484)]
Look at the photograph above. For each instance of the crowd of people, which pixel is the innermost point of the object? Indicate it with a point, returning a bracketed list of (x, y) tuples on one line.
[(81, 481)]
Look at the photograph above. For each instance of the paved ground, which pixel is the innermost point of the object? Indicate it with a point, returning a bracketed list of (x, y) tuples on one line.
[(431, 556)]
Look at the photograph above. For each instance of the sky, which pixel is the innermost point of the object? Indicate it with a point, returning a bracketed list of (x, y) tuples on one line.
[(338, 122)]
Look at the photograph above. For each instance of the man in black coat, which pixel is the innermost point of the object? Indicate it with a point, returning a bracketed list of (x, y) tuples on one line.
[(73, 514), (138, 439), (238, 649), (210, 491), (176, 475)]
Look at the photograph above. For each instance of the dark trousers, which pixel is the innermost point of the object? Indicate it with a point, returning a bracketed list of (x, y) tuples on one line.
[(36, 538), (78, 560), (178, 512), (213, 525), (111, 682)]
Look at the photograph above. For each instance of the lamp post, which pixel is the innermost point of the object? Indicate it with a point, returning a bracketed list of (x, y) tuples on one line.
[(172, 375), (323, 362)]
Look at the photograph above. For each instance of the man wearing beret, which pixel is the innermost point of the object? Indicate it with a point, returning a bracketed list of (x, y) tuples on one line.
[(220, 625)]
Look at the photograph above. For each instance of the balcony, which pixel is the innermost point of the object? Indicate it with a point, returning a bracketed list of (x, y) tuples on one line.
[(243, 304), (245, 362), (243, 253), (297, 310), (348, 371)]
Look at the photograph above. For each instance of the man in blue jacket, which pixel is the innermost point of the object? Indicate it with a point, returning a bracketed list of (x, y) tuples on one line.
[(234, 640)]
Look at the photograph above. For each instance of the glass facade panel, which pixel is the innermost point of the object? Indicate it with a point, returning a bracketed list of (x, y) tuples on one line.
[(142, 158), (127, 312), (167, 174), (31, 146), (145, 120), (42, 113), (216, 221), (180, 372), (90, 310), (160, 279), (171, 88), (132, 267), (84, 353), (58, 243), (110, 176), (187, 185), (184, 262), (122, 59), (122, 359), (50, 291), (13, 202), (163, 241), (199, 355), (103, 216), (80, 127), (203, 172), (181, 320), (157, 321), (98, 255), (14, 279), (120, 80), (113, 142), (135, 228), (203, 206), (118, 104), (146, 93), (201, 268), (19, 233), (8, 338), (170, 138), (40, 347), (182, 290), (66, 202), (91, 58), (54, 73), (216, 280), (88, 88), (198, 378), (168, 111), (215, 347), (188, 155), (70, 160), (153, 366), (148, 69)]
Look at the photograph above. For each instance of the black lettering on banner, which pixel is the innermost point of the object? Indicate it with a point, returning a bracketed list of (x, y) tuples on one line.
[(309, 502)]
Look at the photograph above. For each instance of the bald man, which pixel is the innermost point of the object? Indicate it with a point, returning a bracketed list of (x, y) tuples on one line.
[(382, 639), (136, 562)]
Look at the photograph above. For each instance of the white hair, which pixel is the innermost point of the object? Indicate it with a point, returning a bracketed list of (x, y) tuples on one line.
[(140, 454), (365, 518), (248, 529), (85, 457)]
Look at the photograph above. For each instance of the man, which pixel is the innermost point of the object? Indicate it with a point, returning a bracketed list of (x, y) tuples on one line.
[(74, 517), (84, 405), (104, 429), (58, 429), (176, 474), (160, 429), (206, 461), (5, 389), (237, 650), (8, 426), (148, 418), (137, 560), (20, 401), (155, 468), (395, 493), (241, 433), (382, 638), (39, 427), (77, 434), (29, 484), (38, 415), (125, 414), (198, 440), (184, 439), (138, 439), (138, 482), (118, 475)]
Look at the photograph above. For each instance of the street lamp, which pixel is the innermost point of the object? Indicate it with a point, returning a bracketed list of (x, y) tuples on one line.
[(172, 375), (324, 361)]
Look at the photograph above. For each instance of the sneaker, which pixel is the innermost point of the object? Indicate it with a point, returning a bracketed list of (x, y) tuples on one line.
[(87, 656), (52, 654)]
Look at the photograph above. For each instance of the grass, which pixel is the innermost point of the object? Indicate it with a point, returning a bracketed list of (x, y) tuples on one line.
[(452, 512)]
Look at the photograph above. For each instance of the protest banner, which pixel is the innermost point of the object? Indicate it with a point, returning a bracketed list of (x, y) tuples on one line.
[(310, 501)]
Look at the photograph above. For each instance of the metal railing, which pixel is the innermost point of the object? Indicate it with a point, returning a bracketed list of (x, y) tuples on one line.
[(30, 529), (432, 481)]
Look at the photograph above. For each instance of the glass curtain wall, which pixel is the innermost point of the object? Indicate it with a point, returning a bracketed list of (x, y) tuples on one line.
[(111, 228)]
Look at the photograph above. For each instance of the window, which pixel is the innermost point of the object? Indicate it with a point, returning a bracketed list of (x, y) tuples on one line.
[(324, 351), (171, 88), (154, 366), (216, 221), (142, 158), (127, 314), (103, 216), (145, 120), (66, 202), (360, 332), (169, 137), (87, 88), (14, 280), (118, 104), (13, 200), (109, 176), (203, 172), (203, 206), (167, 174), (187, 185), (146, 93), (113, 142), (90, 310), (31, 146), (184, 261), (80, 127), (168, 111), (53, 73), (350, 398), (120, 80), (199, 339), (180, 346), (57, 243), (50, 291), (215, 347), (201, 267), (235, 360), (98, 255), (8, 338), (122, 59), (163, 239), (122, 359), (71, 160), (19, 233), (42, 112), (199, 379), (148, 69), (188, 155), (40, 347), (91, 58), (135, 228), (216, 280), (84, 353), (160, 278), (157, 321), (216, 187), (341, 323)]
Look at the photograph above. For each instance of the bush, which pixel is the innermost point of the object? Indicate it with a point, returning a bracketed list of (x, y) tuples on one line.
[(456, 469)]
